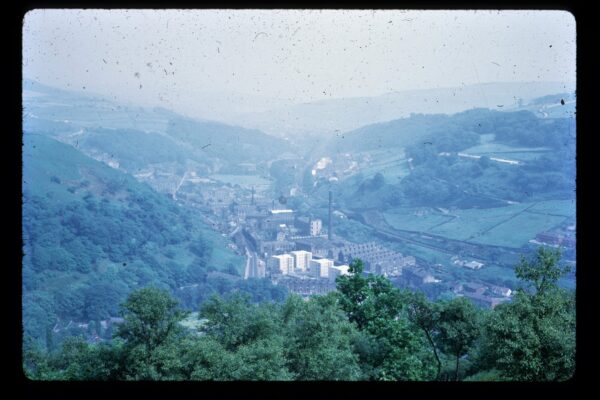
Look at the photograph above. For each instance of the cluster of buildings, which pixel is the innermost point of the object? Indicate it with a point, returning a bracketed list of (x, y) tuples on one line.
[(300, 251), (485, 295), (557, 239), (302, 263), (377, 259)]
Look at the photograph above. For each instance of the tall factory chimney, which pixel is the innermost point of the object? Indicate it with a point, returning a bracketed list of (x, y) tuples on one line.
[(329, 231)]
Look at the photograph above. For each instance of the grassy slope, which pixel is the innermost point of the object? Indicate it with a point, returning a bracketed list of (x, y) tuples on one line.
[(44, 158), (511, 226)]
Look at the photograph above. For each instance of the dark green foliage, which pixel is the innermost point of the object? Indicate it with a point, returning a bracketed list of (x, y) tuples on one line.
[(87, 248), (320, 348), (75, 360), (225, 142), (151, 317), (372, 184), (426, 316), (533, 337), (135, 149), (368, 330), (543, 271), (458, 328), (450, 180), (391, 347)]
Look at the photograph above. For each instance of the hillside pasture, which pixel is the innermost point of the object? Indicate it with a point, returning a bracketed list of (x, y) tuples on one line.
[(498, 150), (246, 181), (509, 226)]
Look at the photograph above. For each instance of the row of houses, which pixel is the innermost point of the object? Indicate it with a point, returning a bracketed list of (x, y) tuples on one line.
[(377, 259)]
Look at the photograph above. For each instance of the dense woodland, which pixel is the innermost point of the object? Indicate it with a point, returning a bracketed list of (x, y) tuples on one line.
[(467, 183), (92, 235), (453, 181), (366, 330)]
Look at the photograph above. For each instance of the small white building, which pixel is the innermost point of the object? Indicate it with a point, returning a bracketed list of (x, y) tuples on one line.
[(501, 290), (315, 227), (320, 267), (302, 259), (473, 265), (283, 264)]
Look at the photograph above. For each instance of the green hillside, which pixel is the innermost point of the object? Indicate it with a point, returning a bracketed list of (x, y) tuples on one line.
[(226, 142), (92, 234)]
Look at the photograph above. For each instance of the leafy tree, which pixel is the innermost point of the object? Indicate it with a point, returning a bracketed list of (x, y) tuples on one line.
[(319, 347), (366, 299), (533, 337), (236, 321), (458, 328), (543, 271), (391, 347), (426, 315), (75, 360), (151, 321), (250, 335), (151, 317)]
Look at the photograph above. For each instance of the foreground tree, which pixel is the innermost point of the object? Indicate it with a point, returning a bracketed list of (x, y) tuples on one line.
[(151, 321), (249, 338), (426, 315), (390, 346), (318, 340), (458, 328), (533, 337)]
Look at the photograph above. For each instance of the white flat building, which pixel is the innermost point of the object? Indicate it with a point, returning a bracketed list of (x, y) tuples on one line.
[(315, 227), (302, 260), (283, 264), (320, 267)]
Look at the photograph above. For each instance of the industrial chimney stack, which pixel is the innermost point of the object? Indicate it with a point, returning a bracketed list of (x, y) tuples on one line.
[(329, 231)]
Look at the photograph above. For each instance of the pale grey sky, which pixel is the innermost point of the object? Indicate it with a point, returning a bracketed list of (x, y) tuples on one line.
[(169, 57)]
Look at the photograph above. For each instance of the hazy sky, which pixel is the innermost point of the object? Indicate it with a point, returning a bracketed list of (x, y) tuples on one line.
[(171, 56)]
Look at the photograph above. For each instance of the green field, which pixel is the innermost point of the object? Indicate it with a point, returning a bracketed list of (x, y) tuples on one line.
[(501, 148), (473, 222), (221, 256), (510, 226), (405, 219), (242, 180), (503, 151), (564, 208), (517, 231), (426, 253), (391, 164)]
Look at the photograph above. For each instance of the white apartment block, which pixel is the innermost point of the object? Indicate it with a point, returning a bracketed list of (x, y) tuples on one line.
[(320, 267), (302, 259), (315, 227), (283, 264)]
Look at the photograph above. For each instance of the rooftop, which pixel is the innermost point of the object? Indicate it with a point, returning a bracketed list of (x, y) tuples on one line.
[(283, 211)]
